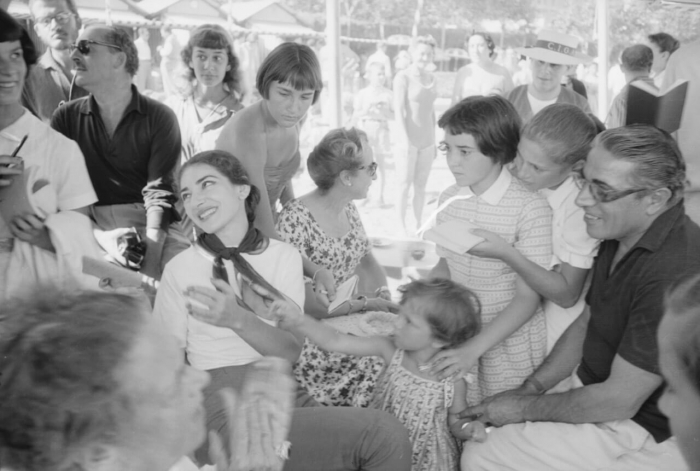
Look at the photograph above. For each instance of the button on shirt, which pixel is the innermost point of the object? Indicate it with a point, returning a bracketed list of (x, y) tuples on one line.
[(47, 87), (137, 163), (627, 305)]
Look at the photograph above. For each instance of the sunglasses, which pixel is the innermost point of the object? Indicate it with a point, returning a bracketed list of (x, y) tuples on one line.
[(83, 46), (602, 195), (371, 168)]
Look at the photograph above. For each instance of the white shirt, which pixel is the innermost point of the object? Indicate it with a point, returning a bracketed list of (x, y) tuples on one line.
[(143, 49), (208, 346), (570, 244), (538, 105), (56, 158)]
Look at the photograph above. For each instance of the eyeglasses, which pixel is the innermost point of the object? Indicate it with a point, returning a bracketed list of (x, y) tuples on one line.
[(60, 18), (371, 168), (602, 195), (83, 46)]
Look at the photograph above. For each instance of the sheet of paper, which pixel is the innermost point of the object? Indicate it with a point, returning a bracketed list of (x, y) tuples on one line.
[(454, 235), (344, 293)]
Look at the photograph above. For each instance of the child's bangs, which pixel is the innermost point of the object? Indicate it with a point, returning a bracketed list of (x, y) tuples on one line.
[(301, 78)]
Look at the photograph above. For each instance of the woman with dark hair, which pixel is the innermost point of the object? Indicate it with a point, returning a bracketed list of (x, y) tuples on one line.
[(206, 301), (265, 137), (482, 76), (42, 245), (210, 91), (326, 227)]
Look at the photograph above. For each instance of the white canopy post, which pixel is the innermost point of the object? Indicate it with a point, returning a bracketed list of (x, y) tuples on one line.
[(333, 42), (603, 65)]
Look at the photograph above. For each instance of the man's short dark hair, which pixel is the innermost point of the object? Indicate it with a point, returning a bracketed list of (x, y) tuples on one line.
[(637, 58), (69, 3), (665, 41), (492, 121), (121, 38), (655, 153)]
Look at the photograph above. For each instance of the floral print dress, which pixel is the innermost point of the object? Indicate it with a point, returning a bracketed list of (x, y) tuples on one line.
[(333, 379)]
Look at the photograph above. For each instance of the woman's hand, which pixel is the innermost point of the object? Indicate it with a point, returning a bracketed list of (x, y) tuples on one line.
[(223, 307), (324, 286), (31, 229), (454, 362), (258, 419), (10, 167), (492, 247), (379, 304)]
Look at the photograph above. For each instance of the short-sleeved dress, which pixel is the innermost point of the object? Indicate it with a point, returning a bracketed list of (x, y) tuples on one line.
[(333, 379), (421, 405), (523, 219)]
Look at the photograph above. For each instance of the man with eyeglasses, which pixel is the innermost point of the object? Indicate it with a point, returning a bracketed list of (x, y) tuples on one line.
[(550, 59), (131, 145), (605, 415), (50, 82)]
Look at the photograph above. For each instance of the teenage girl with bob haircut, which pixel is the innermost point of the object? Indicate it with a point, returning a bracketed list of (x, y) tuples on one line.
[(265, 138)]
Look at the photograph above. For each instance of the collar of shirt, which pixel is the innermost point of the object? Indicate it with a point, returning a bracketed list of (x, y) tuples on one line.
[(495, 192), (658, 232), (47, 61), (17, 130), (556, 197), (137, 104)]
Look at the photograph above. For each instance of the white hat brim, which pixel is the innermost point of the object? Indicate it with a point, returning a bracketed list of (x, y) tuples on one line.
[(553, 57)]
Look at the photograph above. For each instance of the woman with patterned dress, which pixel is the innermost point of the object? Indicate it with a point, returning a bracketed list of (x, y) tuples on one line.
[(325, 226)]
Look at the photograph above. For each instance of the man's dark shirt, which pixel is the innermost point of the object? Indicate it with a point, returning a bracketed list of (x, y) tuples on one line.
[(627, 304), (137, 163), (47, 87)]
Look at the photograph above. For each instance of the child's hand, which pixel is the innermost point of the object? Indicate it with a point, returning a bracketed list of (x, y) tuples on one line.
[(286, 313), (466, 429), (492, 247), (454, 362)]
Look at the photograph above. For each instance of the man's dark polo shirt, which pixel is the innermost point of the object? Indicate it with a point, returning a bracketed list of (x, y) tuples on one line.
[(627, 304), (136, 164), (47, 87)]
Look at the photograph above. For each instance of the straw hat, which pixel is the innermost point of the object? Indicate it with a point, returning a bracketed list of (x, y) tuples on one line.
[(555, 48)]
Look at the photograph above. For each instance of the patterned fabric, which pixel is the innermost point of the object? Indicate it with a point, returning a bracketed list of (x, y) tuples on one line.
[(421, 405), (524, 220), (341, 256), (333, 379)]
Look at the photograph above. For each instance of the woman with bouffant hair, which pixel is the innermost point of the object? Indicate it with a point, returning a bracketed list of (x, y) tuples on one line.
[(326, 227)]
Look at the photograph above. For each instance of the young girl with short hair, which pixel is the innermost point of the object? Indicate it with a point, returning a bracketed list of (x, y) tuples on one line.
[(435, 314), (481, 138)]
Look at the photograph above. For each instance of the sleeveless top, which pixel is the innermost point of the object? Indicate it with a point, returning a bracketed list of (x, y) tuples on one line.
[(277, 177), (421, 405)]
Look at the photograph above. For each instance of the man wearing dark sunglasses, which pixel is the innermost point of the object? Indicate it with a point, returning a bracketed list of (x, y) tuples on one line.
[(131, 145), (50, 82), (605, 414)]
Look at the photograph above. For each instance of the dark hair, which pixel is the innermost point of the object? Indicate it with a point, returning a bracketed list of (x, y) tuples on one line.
[(683, 299), (564, 131), (11, 30), (211, 36), (291, 63), (61, 356), (491, 120), (665, 41), (69, 3), (656, 155), (340, 149), (487, 37), (428, 40), (230, 167), (121, 38), (452, 311), (637, 58)]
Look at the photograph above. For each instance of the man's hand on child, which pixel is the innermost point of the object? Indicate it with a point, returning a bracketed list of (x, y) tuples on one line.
[(492, 247), (503, 410)]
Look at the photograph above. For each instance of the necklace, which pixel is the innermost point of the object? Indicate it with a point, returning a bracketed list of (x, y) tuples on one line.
[(211, 109)]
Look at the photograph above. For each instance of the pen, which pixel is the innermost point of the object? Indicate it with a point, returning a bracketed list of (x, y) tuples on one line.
[(19, 147)]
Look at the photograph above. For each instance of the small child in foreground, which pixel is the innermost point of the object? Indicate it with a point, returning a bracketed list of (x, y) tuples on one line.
[(434, 314)]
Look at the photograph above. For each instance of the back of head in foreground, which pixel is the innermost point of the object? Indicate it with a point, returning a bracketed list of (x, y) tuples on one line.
[(65, 402), (679, 351)]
